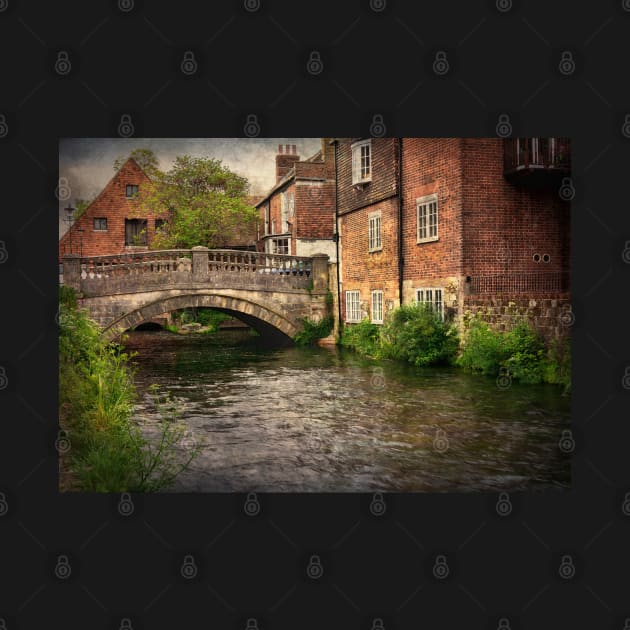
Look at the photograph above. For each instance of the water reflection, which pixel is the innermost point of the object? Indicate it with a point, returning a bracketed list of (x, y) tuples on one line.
[(315, 419)]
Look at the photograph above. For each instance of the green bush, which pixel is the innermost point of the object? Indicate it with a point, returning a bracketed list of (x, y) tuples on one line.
[(557, 369), (418, 335), (312, 331), (210, 317), (363, 337), (519, 351), (96, 398)]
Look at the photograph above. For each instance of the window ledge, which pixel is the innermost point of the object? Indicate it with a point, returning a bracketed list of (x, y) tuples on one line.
[(431, 239), (97, 230), (375, 249)]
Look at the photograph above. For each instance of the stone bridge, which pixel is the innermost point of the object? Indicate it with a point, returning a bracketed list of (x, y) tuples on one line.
[(271, 293)]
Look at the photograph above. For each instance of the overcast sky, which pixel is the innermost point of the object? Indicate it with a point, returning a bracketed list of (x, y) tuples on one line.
[(87, 163)]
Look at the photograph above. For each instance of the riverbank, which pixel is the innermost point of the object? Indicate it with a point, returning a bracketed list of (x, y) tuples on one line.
[(101, 447), (417, 335)]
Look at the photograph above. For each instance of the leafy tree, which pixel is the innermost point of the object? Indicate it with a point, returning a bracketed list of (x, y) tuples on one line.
[(145, 158), (81, 205), (204, 201)]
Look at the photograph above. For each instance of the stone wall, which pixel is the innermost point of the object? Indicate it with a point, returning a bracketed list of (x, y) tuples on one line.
[(551, 316)]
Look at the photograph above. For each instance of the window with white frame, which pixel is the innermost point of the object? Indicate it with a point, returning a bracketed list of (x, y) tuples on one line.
[(285, 208), (377, 307), (374, 231), (433, 297), (353, 306), (279, 245), (266, 210), (361, 162), (427, 218)]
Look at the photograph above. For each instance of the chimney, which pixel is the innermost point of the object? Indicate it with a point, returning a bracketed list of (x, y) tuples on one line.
[(328, 157), (286, 157)]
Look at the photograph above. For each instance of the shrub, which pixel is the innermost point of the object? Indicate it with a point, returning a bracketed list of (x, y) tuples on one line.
[(363, 337), (484, 349), (96, 397), (417, 334), (519, 351), (312, 331)]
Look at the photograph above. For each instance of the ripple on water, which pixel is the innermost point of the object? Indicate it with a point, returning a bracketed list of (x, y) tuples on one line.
[(311, 420)]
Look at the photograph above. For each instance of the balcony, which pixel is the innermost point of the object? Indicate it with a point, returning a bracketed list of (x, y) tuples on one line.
[(537, 162)]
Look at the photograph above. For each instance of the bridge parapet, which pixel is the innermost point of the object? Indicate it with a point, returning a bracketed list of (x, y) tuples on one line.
[(194, 268)]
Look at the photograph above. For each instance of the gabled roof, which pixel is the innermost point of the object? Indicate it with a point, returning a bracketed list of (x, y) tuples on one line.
[(109, 183)]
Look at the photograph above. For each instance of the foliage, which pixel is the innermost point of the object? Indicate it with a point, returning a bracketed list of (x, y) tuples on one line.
[(211, 318), (418, 335), (363, 337), (145, 158), (97, 396), (204, 201), (557, 369), (312, 331), (519, 352), (81, 205)]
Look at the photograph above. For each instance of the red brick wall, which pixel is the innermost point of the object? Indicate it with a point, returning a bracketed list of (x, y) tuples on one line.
[(505, 224), (432, 166), (315, 210), (384, 154), (367, 271), (111, 204)]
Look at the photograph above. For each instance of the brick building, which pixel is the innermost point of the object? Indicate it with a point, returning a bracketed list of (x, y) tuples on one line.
[(113, 224), (463, 223), (297, 216)]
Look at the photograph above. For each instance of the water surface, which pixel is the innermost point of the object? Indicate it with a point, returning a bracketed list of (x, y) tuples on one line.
[(327, 420)]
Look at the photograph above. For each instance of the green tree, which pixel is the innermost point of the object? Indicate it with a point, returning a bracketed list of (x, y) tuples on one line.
[(205, 203), (81, 205), (145, 158)]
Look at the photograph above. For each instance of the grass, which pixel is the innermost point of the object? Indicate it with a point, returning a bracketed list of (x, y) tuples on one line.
[(96, 396)]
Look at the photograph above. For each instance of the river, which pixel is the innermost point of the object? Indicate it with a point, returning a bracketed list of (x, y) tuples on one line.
[(328, 420)]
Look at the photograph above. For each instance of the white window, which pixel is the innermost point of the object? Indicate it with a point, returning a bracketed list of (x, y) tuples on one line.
[(284, 212), (432, 297), (273, 226), (353, 306), (361, 162), (279, 245), (374, 231), (377, 307), (427, 218), (266, 219)]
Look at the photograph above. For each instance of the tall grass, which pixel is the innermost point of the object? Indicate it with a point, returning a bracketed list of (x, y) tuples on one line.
[(96, 396)]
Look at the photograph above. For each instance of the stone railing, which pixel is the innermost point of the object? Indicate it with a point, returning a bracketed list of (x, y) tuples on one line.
[(123, 273)]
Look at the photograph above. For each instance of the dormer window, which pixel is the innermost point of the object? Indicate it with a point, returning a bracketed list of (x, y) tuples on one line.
[(362, 162)]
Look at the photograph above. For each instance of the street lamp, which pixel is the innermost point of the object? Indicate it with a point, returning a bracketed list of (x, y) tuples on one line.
[(69, 219)]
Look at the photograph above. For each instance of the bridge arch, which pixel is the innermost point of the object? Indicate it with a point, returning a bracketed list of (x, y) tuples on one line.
[(260, 315)]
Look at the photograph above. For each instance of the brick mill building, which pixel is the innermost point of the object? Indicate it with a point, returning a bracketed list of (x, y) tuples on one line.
[(113, 224), (297, 216), (466, 224)]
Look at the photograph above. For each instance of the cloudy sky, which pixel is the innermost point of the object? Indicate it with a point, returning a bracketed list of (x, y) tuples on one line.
[(87, 163)]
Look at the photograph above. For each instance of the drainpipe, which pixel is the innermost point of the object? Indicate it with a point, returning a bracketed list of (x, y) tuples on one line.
[(336, 142), (401, 260)]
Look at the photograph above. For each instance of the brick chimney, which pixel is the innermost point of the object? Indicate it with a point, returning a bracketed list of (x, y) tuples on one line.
[(328, 157), (286, 157)]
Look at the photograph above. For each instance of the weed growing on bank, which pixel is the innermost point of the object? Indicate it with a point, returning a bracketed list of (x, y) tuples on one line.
[(519, 352), (96, 404), (416, 334)]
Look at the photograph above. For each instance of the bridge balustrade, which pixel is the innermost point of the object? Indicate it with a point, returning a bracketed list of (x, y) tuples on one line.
[(159, 269)]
